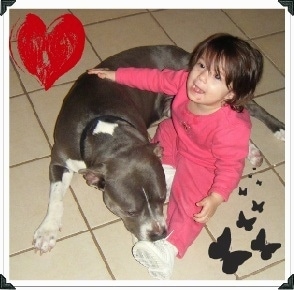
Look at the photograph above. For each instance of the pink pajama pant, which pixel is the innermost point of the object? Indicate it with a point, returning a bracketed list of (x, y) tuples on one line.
[(190, 185)]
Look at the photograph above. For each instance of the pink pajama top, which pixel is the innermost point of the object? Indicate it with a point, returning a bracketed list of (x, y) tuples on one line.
[(218, 141)]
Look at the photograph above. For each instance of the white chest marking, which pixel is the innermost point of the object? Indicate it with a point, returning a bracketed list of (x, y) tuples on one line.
[(75, 165), (104, 127)]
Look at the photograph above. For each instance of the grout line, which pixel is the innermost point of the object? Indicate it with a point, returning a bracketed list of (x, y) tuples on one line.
[(67, 237), (115, 18), (29, 161), (237, 26), (32, 105), (270, 167), (269, 92), (58, 240), (261, 270), (36, 90), (251, 39), (266, 35), (158, 23), (106, 224), (92, 234), (277, 173), (93, 49)]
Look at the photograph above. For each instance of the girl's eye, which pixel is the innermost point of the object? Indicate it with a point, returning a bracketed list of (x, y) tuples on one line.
[(218, 77)]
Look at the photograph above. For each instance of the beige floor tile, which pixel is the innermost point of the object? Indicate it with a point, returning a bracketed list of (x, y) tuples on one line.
[(29, 81), (88, 16), (152, 131), (272, 273), (281, 171), (91, 202), (272, 219), (271, 79), (116, 243), (274, 103), (197, 20), (29, 194), (147, 32), (27, 140), (258, 22), (196, 264), (273, 46), (14, 84), (48, 104), (119, 256), (76, 258)]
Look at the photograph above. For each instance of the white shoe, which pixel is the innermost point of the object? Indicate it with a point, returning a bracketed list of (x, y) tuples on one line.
[(157, 256)]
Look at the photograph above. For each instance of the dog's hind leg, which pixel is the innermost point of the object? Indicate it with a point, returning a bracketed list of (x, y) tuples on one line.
[(45, 236), (276, 126)]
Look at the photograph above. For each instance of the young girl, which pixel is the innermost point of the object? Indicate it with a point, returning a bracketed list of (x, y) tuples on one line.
[(205, 141)]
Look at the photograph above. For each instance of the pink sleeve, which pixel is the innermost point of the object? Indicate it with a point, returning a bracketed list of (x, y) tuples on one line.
[(166, 81), (230, 156)]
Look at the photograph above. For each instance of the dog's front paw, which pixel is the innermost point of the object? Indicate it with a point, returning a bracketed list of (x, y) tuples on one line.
[(45, 236), (280, 134), (254, 155)]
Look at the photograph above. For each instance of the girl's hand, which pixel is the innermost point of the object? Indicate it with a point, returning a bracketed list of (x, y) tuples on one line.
[(103, 73), (209, 205)]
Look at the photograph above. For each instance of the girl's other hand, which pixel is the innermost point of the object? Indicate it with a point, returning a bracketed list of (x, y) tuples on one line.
[(209, 205)]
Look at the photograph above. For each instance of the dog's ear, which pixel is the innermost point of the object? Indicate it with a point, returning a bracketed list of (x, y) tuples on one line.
[(157, 150), (95, 176)]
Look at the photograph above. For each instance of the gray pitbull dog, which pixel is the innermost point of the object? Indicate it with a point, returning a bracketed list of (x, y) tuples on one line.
[(101, 132)]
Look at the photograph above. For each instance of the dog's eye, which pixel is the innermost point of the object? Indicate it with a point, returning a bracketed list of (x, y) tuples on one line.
[(132, 213)]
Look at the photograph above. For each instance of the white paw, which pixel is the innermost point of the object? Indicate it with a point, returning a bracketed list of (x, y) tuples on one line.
[(254, 155), (46, 235), (280, 135)]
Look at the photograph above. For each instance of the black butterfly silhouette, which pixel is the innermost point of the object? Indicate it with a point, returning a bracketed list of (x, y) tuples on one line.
[(257, 207), (258, 182), (243, 191), (246, 223), (221, 250), (266, 249)]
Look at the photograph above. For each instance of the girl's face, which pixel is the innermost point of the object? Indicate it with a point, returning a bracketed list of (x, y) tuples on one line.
[(207, 87)]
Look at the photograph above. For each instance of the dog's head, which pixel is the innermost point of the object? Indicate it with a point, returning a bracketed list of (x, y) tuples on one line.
[(134, 189)]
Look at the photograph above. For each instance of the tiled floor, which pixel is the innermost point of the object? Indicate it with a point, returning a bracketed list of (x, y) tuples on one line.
[(93, 243)]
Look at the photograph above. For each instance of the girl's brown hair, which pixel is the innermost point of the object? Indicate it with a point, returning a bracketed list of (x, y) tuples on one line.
[(243, 65)]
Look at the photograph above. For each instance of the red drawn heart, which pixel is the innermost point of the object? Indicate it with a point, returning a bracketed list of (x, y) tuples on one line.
[(50, 52)]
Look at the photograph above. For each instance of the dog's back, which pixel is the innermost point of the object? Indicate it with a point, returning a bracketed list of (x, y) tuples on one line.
[(91, 97)]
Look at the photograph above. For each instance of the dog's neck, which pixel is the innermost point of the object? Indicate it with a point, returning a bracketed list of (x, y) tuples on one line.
[(112, 122)]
